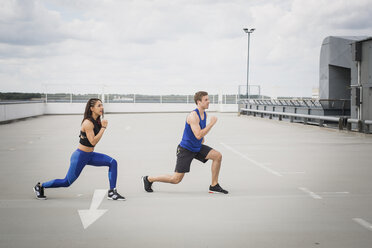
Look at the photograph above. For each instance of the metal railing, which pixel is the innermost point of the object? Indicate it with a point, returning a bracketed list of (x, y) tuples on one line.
[(284, 102), (309, 103), (367, 126), (301, 117), (341, 121), (361, 125)]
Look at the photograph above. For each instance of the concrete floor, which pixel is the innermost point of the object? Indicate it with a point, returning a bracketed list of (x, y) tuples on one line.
[(290, 185)]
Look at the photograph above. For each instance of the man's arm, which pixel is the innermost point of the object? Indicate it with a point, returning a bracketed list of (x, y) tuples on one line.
[(193, 120)]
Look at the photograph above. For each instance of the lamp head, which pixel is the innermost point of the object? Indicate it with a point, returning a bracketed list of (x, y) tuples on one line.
[(249, 30)]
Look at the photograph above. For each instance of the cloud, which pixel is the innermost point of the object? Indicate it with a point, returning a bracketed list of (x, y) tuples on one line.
[(171, 46), (30, 23), (287, 40)]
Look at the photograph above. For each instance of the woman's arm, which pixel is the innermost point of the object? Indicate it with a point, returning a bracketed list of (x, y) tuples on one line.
[(88, 127)]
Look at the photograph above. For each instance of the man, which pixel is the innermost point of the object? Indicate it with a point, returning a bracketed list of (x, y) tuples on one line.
[(192, 146)]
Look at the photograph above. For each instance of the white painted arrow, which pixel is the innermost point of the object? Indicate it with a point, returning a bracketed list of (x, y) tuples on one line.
[(89, 216)]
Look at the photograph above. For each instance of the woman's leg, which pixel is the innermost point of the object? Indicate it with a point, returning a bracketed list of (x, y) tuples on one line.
[(77, 163), (99, 159)]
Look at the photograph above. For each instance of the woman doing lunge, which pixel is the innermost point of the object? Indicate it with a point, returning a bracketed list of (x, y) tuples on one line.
[(92, 129)]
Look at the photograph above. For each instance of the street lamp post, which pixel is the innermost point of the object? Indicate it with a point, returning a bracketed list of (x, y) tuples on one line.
[(248, 31)]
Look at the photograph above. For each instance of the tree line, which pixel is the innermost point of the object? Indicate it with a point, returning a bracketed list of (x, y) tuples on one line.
[(19, 96)]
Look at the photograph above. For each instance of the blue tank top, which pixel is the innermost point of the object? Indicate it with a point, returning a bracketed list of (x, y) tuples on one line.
[(189, 141)]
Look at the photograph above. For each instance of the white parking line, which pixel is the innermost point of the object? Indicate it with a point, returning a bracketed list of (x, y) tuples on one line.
[(293, 172), (338, 193), (363, 223), (310, 193), (266, 163), (252, 161)]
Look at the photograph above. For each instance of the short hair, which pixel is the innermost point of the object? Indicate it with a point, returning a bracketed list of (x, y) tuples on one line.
[(199, 95)]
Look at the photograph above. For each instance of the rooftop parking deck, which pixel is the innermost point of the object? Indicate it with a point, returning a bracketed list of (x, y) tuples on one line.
[(291, 185)]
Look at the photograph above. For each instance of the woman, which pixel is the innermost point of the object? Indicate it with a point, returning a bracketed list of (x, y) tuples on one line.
[(92, 129)]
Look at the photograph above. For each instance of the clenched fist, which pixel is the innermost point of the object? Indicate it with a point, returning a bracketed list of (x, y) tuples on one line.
[(104, 123), (213, 120)]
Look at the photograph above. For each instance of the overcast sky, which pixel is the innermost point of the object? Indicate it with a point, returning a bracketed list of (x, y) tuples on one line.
[(174, 46)]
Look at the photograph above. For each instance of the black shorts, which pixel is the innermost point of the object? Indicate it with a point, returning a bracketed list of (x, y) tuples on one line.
[(184, 157)]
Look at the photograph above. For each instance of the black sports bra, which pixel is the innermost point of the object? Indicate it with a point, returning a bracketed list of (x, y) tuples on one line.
[(83, 136)]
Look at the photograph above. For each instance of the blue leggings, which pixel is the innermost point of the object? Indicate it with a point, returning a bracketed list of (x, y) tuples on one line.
[(78, 161)]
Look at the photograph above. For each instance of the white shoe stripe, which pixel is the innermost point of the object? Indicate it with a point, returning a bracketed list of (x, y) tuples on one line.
[(214, 192)]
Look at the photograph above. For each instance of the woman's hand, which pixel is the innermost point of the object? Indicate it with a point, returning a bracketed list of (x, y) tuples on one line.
[(104, 123)]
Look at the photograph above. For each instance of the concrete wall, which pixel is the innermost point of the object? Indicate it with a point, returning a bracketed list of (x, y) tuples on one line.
[(78, 108), (17, 111), (366, 80), (64, 108), (339, 82)]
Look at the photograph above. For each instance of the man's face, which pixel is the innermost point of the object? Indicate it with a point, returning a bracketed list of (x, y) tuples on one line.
[(204, 103)]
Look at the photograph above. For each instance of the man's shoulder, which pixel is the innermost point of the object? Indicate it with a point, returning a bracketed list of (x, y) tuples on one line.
[(193, 113), (192, 116)]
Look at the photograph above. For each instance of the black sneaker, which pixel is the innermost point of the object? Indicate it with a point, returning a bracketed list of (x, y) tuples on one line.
[(114, 195), (146, 184), (217, 189), (39, 191)]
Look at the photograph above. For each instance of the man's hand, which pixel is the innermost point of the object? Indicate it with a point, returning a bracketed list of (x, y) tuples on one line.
[(213, 120), (193, 121)]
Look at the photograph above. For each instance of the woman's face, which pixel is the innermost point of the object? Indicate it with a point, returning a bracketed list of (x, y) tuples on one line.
[(98, 108)]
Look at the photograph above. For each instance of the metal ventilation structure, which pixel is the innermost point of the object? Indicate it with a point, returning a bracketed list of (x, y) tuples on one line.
[(345, 88)]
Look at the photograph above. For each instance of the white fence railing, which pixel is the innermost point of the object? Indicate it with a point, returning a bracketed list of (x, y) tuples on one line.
[(138, 98)]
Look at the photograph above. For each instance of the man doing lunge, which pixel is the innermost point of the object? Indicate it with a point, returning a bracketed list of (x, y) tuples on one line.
[(192, 146)]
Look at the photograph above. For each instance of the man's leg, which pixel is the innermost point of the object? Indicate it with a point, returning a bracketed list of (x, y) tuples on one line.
[(184, 158), (216, 157), (174, 179)]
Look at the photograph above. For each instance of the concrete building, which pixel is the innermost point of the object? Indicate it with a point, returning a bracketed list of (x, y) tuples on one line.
[(345, 89), (336, 67), (361, 80), (345, 73)]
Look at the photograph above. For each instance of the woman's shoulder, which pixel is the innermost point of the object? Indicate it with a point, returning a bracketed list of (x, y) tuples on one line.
[(87, 123)]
